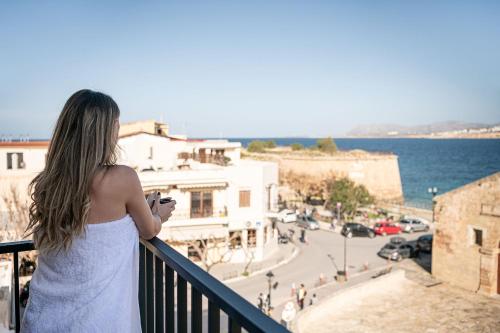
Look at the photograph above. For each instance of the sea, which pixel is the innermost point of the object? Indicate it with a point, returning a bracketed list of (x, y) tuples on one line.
[(442, 163)]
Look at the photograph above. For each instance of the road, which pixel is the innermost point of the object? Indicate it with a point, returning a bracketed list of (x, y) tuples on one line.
[(313, 260)]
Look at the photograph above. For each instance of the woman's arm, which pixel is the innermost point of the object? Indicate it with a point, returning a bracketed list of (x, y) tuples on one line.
[(148, 224)]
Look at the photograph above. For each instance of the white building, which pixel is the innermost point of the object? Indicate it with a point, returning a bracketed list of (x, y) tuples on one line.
[(218, 195)]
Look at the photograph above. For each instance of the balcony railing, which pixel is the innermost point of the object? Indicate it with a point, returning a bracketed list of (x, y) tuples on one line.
[(186, 214), (164, 278)]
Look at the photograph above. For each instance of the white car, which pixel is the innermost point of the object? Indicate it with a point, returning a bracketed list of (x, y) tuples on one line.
[(287, 216)]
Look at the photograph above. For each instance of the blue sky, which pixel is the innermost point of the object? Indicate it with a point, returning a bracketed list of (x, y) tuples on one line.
[(256, 68)]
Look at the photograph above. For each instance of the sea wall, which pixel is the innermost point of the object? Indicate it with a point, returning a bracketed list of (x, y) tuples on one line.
[(378, 172)]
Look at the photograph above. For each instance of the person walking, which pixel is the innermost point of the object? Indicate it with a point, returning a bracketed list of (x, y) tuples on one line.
[(302, 296), (260, 302), (86, 217)]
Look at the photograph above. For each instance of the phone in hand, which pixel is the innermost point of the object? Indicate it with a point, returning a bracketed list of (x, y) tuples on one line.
[(165, 200)]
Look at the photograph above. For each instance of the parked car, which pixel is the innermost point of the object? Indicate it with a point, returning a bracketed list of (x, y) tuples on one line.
[(424, 243), (356, 229), (307, 222), (386, 228), (411, 225), (396, 251), (287, 216)]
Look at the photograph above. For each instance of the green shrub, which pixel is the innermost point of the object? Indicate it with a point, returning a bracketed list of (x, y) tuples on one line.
[(297, 146), (326, 145), (350, 195)]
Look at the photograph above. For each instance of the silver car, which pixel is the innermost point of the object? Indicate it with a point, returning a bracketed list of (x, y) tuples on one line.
[(307, 222), (396, 251), (411, 225)]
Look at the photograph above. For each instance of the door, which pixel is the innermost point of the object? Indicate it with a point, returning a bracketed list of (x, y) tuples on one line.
[(203, 156)]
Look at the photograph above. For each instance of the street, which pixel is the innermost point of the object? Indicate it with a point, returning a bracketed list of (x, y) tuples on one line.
[(313, 260)]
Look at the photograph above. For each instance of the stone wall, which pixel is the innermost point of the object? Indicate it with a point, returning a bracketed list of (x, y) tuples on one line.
[(456, 258), (379, 173)]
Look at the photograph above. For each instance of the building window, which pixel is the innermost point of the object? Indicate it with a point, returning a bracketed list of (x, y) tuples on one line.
[(201, 204), (235, 239), (150, 153), (15, 161), (478, 237), (244, 198), (252, 238)]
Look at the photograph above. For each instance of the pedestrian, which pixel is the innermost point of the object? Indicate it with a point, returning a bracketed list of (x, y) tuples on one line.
[(322, 279), (303, 235), (260, 302), (302, 296), (313, 300), (288, 315)]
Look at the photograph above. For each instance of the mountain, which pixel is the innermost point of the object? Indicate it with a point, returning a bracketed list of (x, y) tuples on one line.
[(384, 130)]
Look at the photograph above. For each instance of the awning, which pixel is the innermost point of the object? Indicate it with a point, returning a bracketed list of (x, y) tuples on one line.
[(203, 185)]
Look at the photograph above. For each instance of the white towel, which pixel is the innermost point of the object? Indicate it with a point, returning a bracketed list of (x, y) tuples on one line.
[(93, 287)]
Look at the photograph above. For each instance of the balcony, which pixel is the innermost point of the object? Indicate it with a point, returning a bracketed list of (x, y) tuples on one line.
[(166, 278)]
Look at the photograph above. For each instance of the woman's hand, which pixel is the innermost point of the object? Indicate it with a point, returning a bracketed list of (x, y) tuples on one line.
[(164, 211)]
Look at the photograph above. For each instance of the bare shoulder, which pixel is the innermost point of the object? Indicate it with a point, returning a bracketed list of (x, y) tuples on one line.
[(121, 175), (122, 172)]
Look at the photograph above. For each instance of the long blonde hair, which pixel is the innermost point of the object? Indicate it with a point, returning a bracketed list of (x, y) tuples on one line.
[(84, 141)]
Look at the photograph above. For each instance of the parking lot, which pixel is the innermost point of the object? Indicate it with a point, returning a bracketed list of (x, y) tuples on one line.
[(322, 254)]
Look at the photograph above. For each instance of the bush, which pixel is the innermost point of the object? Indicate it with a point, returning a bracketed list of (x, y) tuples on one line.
[(350, 195), (297, 146), (326, 145), (258, 146)]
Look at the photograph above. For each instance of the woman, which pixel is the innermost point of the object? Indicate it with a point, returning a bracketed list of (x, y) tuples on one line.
[(86, 218)]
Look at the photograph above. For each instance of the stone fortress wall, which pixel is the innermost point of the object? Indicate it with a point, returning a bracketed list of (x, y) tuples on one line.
[(378, 172)]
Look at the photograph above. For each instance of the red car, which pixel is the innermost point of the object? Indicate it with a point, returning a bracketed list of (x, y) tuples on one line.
[(386, 228)]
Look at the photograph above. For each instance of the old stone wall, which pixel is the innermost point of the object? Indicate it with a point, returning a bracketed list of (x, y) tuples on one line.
[(457, 258), (379, 173)]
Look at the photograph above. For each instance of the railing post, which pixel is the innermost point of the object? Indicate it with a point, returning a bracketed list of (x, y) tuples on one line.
[(233, 326), (142, 285), (196, 311), (159, 315), (213, 318), (169, 300), (181, 305), (150, 305), (16, 291)]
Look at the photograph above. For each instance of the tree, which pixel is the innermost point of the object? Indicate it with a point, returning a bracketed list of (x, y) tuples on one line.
[(212, 250), (13, 225), (326, 145), (297, 146), (350, 195)]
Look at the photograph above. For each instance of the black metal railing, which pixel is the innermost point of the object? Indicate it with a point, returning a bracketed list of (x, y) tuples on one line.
[(162, 270), (15, 248)]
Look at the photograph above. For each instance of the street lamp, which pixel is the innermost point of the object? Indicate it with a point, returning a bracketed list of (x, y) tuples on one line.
[(270, 277), (433, 191), (346, 232)]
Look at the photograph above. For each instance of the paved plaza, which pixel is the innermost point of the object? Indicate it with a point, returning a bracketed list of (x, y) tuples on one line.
[(415, 303)]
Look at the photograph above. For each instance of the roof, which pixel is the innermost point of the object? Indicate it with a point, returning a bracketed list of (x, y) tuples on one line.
[(25, 144), (469, 186), (160, 136)]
